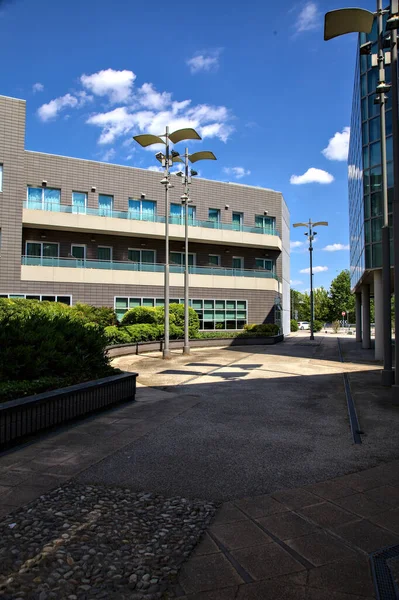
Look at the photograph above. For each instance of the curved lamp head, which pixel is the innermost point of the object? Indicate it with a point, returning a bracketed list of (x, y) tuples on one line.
[(203, 155), (184, 134), (320, 223), (300, 224), (347, 20), (147, 140)]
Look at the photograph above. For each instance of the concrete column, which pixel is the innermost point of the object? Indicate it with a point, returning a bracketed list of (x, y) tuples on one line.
[(378, 316), (366, 316), (358, 299)]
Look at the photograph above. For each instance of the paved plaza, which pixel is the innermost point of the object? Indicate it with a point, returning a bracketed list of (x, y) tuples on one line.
[(260, 433)]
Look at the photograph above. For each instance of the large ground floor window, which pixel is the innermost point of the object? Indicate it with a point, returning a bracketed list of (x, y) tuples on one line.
[(42, 297), (212, 313)]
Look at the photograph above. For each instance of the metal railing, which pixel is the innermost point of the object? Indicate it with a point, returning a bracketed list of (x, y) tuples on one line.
[(150, 217), (78, 263)]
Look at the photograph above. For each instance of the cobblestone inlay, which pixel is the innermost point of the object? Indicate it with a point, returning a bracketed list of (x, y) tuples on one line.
[(81, 542)]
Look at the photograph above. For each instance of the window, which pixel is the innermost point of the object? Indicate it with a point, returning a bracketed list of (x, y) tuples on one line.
[(44, 199), (42, 249), (41, 297), (177, 213), (264, 263), (213, 314), (141, 256), (143, 210), (178, 258), (214, 260), (105, 205), (238, 219), (267, 223), (78, 251), (214, 215), (104, 253), (79, 202), (238, 262), (1, 178)]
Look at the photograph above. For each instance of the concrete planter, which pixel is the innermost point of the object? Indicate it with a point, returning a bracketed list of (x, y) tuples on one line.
[(141, 347), (29, 415)]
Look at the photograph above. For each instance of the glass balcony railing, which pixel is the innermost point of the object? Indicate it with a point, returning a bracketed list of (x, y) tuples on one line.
[(77, 263), (151, 217)]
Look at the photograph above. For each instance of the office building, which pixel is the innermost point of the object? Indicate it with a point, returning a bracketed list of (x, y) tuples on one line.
[(365, 190), (76, 230)]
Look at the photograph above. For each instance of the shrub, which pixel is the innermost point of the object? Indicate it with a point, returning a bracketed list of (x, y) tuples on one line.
[(143, 314), (294, 325), (143, 332), (336, 326), (317, 326), (176, 312), (102, 315), (48, 339), (266, 329), (116, 335)]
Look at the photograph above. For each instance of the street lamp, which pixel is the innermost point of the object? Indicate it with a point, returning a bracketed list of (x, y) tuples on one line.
[(167, 160), (348, 20), (310, 235), (185, 198)]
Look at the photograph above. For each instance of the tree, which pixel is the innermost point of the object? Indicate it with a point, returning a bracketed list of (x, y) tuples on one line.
[(321, 304), (341, 298), (300, 306)]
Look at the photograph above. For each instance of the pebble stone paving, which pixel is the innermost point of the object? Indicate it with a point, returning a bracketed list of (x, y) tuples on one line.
[(79, 542)]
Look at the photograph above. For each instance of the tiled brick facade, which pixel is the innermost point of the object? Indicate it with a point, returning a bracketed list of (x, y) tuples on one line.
[(23, 168)]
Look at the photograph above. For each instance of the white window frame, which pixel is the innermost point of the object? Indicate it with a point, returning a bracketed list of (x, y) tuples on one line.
[(193, 254), (39, 187), (79, 246), (219, 219), (265, 259), (218, 256), (1, 176), (23, 295), (85, 207), (141, 205), (111, 209), (112, 253), (141, 250), (237, 212), (41, 256), (241, 261)]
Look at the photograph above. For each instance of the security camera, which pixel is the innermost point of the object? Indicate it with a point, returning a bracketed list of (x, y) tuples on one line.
[(44, 182), (227, 206), (266, 212), (365, 49), (142, 196), (93, 188)]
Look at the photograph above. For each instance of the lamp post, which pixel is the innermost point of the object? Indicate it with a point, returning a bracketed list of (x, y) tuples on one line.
[(340, 22), (167, 161), (310, 235), (185, 198)]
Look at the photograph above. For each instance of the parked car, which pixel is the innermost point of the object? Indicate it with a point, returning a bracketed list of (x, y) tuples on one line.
[(303, 325)]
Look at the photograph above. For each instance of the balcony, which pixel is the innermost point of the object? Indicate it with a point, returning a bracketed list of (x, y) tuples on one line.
[(61, 270), (131, 223)]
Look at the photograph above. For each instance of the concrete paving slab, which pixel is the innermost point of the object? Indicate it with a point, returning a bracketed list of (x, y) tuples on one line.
[(239, 534), (327, 514), (265, 562), (205, 573), (361, 505), (260, 506), (321, 548), (366, 535), (347, 576), (287, 525)]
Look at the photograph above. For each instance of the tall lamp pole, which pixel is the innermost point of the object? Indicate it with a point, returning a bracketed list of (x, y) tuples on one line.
[(310, 235), (185, 198), (167, 159), (340, 22)]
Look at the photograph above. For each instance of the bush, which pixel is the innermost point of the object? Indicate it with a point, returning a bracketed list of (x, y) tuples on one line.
[(176, 312), (336, 326), (102, 315), (143, 314), (116, 335), (9, 390), (317, 326), (294, 325), (48, 339)]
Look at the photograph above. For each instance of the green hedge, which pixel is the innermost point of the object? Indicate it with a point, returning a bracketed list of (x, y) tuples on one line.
[(156, 316), (48, 339), (294, 325), (266, 329), (317, 326), (102, 315)]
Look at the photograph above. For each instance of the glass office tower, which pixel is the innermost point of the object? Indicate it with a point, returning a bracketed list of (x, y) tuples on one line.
[(364, 166)]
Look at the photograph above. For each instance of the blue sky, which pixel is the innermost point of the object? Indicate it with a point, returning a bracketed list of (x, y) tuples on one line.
[(270, 97)]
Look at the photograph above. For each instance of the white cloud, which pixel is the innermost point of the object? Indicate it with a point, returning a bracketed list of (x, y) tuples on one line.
[(155, 168), (354, 172), (295, 282), (315, 270), (312, 175), (50, 110), (108, 155), (238, 172), (296, 244), (308, 19), (117, 85), (205, 61), (37, 87), (338, 145), (148, 97), (336, 247)]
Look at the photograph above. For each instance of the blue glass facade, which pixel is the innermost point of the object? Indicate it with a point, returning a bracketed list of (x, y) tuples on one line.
[(364, 165)]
